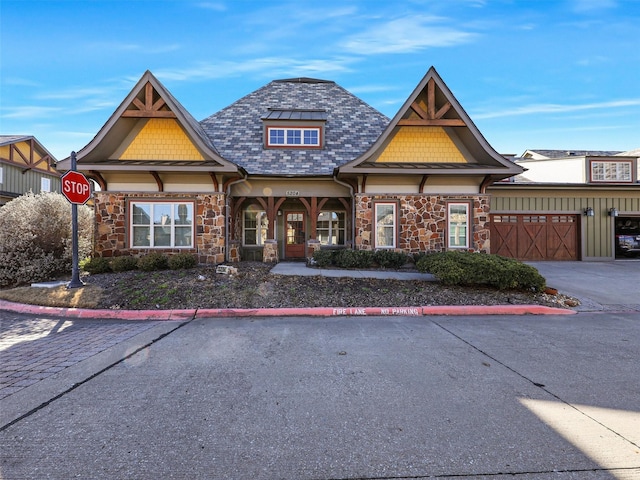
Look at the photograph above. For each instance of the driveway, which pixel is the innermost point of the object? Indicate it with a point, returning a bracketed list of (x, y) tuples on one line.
[(609, 286)]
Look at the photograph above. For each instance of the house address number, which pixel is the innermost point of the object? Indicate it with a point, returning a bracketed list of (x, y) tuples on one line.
[(292, 193)]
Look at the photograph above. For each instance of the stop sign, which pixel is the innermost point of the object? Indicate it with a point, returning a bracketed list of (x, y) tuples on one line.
[(75, 187)]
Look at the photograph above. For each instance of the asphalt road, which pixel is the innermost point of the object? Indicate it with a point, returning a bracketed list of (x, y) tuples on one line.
[(495, 397)]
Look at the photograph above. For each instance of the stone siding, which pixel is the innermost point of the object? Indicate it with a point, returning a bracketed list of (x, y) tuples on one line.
[(112, 225), (423, 221)]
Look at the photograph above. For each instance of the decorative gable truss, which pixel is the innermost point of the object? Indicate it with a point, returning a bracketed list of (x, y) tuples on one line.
[(424, 111), (27, 154), (148, 104)]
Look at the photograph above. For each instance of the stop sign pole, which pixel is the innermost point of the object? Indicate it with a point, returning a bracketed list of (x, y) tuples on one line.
[(75, 269)]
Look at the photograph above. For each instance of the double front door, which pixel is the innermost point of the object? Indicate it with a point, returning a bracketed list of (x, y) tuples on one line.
[(295, 238)]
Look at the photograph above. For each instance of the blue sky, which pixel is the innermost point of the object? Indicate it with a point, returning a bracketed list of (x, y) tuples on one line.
[(559, 74)]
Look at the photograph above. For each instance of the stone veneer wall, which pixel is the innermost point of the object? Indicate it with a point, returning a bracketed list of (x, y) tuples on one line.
[(423, 221), (112, 225)]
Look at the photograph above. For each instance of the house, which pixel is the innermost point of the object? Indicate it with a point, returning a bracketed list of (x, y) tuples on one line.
[(569, 205), (25, 166), (297, 165)]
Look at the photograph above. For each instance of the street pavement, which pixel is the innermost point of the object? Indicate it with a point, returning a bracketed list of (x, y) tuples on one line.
[(374, 397), (486, 397)]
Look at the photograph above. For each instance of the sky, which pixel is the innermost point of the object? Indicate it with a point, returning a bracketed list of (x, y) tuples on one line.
[(536, 74)]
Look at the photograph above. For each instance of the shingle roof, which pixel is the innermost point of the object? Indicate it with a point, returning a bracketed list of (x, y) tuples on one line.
[(576, 153), (351, 128)]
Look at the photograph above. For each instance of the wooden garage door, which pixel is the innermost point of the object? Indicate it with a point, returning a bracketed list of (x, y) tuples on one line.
[(535, 237)]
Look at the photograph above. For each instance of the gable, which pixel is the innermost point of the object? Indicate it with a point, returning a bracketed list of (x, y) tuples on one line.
[(158, 139), (27, 154), (151, 131), (432, 134), (421, 144)]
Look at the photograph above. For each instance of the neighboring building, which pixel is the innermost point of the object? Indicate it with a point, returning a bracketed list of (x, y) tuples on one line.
[(25, 166), (569, 205), (297, 165)]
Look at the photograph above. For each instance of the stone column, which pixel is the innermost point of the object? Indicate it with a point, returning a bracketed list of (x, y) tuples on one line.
[(270, 251), (234, 251)]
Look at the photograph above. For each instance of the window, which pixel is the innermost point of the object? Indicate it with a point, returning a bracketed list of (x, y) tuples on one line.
[(458, 225), (293, 137), (1, 175), (255, 225), (614, 171), (45, 184), (385, 225), (162, 224), (330, 228)]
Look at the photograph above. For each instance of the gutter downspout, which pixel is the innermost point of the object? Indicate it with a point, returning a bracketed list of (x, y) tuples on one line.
[(227, 205), (353, 210)]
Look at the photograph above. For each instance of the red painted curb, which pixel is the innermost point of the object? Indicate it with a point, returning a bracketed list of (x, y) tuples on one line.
[(182, 315)]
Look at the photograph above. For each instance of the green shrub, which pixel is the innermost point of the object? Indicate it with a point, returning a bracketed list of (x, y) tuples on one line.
[(36, 240), (96, 265), (124, 264), (153, 261), (348, 258), (390, 258), (465, 268), (323, 258), (182, 260)]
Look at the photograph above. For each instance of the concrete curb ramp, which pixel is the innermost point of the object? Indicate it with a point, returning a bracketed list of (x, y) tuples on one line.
[(183, 315)]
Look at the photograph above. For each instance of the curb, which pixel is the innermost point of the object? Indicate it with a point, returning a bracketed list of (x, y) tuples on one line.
[(183, 315)]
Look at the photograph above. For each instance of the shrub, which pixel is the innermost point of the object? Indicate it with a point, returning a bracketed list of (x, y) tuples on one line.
[(465, 268), (96, 265), (124, 264), (182, 260), (153, 261), (353, 258), (390, 258), (36, 240), (323, 258)]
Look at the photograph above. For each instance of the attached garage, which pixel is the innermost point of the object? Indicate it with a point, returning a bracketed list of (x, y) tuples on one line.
[(535, 236), (535, 221)]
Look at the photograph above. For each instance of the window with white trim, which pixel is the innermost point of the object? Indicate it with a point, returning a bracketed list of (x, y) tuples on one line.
[(293, 136), (385, 225), (254, 227), (330, 229), (162, 224), (458, 225), (618, 171), (45, 184), (1, 172)]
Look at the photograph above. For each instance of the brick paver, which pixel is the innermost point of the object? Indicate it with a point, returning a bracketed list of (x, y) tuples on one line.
[(32, 349)]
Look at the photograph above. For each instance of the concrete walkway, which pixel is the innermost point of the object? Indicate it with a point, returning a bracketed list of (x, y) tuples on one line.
[(301, 269)]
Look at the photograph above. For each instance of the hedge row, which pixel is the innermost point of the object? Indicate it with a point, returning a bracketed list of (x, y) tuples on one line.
[(150, 262), (465, 268), (348, 258)]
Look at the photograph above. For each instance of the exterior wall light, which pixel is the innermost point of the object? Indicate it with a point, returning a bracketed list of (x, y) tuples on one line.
[(613, 212), (589, 212)]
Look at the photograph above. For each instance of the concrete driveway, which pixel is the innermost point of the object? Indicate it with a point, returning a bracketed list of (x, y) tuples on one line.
[(611, 285)]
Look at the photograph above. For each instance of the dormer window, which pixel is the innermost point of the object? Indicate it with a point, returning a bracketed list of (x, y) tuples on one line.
[(294, 128)]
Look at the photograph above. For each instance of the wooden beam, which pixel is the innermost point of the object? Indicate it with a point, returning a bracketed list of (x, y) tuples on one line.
[(215, 180), (422, 183), (158, 181), (431, 98), (148, 114), (422, 113), (443, 109), (436, 122), (97, 176)]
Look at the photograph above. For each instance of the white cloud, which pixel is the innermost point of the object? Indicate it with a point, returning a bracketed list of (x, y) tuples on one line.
[(31, 112), (269, 67), (588, 6), (542, 108), (406, 35)]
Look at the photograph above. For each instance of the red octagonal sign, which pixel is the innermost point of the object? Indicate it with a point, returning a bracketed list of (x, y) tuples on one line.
[(76, 187)]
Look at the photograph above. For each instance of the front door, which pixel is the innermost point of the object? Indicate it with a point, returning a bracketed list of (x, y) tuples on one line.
[(294, 234)]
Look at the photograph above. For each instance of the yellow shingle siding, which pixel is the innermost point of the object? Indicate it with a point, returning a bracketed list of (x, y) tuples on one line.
[(421, 144), (161, 139)]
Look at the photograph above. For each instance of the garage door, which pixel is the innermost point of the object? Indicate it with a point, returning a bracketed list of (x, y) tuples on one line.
[(535, 237)]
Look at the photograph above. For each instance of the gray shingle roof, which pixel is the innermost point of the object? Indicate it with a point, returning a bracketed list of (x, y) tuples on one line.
[(351, 128), (576, 153)]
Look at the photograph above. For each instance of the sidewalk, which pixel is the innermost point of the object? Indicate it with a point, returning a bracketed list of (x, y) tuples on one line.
[(300, 269)]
